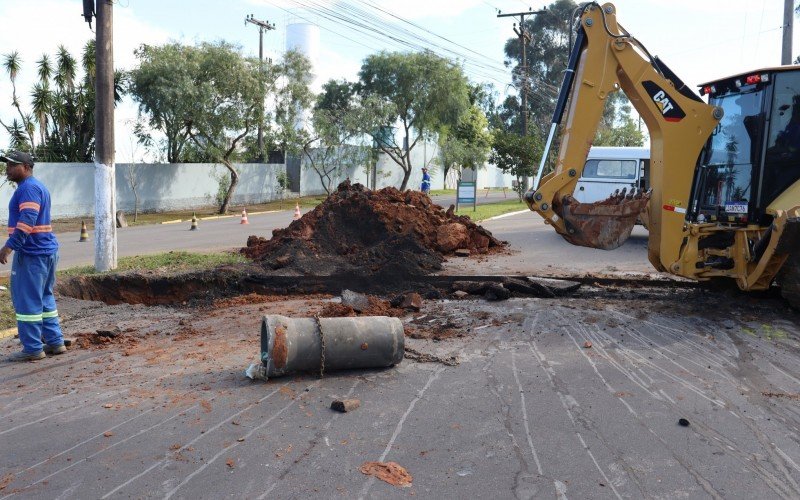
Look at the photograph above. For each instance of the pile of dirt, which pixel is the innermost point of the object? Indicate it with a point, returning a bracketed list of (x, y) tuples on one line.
[(377, 307), (357, 232), (104, 338)]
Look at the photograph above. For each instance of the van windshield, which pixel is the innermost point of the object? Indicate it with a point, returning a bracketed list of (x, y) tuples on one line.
[(611, 169)]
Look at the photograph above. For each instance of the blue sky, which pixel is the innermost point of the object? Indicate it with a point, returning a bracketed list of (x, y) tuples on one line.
[(700, 40)]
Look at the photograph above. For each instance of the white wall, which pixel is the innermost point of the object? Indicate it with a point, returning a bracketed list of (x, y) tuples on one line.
[(186, 186), (161, 187)]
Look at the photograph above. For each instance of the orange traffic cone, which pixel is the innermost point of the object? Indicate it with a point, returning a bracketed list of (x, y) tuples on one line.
[(84, 232), (244, 216), (194, 223), (297, 213)]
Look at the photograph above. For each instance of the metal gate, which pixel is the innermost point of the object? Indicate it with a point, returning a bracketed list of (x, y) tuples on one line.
[(293, 172)]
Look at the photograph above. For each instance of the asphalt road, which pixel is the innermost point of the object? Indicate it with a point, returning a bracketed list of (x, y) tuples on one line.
[(535, 248), (528, 412)]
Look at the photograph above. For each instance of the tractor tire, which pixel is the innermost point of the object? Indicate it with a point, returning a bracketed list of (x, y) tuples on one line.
[(789, 279)]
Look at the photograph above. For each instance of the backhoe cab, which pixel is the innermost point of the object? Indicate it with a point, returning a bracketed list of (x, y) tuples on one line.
[(724, 175)]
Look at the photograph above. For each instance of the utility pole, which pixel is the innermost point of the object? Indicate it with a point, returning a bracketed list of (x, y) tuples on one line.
[(262, 27), (105, 227), (788, 21), (524, 40)]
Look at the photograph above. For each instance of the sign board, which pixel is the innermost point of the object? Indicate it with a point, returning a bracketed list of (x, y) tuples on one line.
[(467, 193)]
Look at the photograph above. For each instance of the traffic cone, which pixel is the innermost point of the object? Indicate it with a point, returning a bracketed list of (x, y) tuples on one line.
[(297, 213), (84, 232), (244, 216), (194, 223)]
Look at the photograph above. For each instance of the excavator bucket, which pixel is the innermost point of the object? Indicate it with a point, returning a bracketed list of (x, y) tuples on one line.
[(603, 224)]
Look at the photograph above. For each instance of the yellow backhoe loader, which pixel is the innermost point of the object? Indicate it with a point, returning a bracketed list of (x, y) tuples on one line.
[(724, 198)]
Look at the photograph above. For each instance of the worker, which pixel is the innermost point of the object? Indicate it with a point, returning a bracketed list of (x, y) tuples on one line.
[(33, 269), (425, 187)]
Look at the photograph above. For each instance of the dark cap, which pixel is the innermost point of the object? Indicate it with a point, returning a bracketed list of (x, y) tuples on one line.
[(423, 168), (14, 156)]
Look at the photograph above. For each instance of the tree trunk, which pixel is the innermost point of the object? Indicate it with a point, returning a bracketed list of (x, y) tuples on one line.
[(234, 180), (406, 172)]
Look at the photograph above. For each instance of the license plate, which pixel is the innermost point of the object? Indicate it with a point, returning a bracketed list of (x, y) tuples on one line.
[(736, 208)]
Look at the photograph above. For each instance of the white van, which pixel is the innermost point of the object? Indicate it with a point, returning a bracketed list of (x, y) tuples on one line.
[(609, 168)]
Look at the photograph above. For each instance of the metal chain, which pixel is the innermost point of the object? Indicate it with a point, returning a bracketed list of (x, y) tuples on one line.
[(322, 346)]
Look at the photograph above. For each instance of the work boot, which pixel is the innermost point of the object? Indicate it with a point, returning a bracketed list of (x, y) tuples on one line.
[(54, 349), (26, 356)]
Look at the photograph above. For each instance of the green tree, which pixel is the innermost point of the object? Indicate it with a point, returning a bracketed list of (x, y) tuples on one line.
[(335, 145), (207, 101), (290, 98), (616, 127), (422, 92), (160, 83), (468, 144), (222, 104), (547, 56), (516, 155)]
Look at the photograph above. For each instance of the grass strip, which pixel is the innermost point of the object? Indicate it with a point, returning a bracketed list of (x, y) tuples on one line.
[(165, 262), (488, 210)]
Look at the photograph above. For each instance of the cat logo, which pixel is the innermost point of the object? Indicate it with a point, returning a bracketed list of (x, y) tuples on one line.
[(669, 108)]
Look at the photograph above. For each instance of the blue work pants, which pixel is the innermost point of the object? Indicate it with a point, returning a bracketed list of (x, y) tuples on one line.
[(32, 280)]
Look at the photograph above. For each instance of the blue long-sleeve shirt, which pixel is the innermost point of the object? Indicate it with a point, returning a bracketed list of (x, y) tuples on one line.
[(29, 229), (426, 181)]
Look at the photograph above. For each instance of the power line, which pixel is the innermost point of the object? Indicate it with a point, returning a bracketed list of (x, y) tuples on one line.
[(357, 20)]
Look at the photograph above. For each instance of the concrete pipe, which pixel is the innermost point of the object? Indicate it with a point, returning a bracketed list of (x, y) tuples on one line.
[(324, 344)]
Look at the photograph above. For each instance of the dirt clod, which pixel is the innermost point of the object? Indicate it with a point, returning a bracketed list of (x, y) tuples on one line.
[(412, 302), (345, 405), (375, 307), (390, 472)]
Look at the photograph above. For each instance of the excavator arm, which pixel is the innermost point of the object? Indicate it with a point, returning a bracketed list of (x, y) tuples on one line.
[(605, 59)]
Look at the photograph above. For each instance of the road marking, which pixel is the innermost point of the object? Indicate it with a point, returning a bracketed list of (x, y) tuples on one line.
[(525, 414), (229, 448), (325, 429), (507, 215), (86, 441), (183, 448), (399, 428)]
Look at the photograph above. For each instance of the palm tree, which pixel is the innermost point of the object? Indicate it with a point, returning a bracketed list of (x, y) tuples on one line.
[(12, 64), (65, 73), (45, 70), (41, 101)]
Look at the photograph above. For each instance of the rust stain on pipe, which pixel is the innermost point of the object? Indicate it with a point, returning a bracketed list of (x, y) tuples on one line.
[(280, 352)]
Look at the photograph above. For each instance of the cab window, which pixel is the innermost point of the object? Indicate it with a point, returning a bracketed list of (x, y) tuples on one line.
[(611, 169)]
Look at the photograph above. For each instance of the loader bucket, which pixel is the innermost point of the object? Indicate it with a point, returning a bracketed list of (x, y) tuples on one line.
[(603, 224)]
